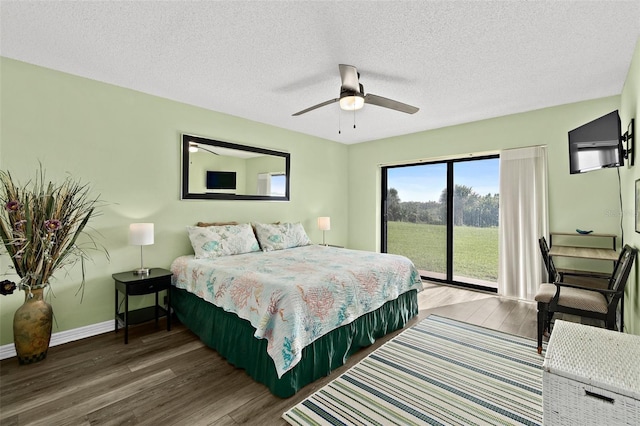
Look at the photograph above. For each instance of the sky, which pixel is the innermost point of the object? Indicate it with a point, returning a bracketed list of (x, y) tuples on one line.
[(425, 182), (278, 185)]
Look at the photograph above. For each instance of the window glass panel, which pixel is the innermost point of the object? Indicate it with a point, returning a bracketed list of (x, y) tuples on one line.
[(278, 185), (475, 221), (417, 215)]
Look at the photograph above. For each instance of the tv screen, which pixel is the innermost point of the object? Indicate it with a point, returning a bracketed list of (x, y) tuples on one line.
[(596, 145), (221, 180)]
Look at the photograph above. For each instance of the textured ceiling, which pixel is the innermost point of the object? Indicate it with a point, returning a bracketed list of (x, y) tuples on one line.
[(458, 61)]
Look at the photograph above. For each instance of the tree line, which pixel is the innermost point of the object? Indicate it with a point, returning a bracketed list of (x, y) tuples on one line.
[(469, 208)]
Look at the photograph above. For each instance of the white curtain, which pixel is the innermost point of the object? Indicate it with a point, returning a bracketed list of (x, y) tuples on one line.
[(524, 218), (264, 184)]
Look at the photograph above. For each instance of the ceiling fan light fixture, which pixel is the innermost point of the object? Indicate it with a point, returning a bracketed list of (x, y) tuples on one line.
[(351, 103), (352, 95), (193, 147)]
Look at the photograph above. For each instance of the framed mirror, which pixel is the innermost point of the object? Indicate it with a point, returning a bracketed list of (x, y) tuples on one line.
[(217, 170)]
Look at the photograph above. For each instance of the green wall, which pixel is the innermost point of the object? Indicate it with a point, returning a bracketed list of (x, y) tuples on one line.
[(126, 145), (585, 201), (629, 107)]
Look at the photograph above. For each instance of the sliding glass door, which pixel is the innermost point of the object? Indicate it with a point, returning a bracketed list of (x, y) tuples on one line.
[(444, 217), (416, 219)]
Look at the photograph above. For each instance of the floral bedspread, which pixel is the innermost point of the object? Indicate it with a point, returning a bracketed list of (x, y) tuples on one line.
[(294, 296)]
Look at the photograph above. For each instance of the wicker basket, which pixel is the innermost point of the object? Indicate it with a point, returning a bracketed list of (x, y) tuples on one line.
[(591, 376)]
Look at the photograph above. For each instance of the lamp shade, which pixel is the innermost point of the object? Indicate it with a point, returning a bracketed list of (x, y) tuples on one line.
[(350, 103), (324, 223), (141, 234)]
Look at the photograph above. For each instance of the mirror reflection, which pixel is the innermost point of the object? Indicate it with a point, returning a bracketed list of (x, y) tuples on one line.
[(214, 169)]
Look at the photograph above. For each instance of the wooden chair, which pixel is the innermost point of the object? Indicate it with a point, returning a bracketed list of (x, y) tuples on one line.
[(598, 303), (554, 275), (581, 278)]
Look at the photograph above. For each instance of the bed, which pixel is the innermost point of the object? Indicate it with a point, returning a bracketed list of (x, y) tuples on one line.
[(291, 314)]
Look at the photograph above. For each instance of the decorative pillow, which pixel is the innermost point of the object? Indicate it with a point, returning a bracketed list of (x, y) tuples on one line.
[(215, 241), (281, 236)]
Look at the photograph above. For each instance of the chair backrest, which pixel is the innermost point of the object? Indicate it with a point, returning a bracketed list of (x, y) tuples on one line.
[(554, 276), (622, 269)]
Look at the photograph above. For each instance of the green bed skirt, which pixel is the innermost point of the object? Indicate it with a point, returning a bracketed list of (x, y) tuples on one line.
[(233, 338)]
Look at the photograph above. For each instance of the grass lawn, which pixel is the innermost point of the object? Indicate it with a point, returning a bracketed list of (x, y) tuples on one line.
[(475, 250)]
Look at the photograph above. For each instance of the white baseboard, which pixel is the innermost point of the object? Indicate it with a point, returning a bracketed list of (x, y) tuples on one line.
[(8, 351)]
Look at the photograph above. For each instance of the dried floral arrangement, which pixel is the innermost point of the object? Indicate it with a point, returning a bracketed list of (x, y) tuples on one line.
[(40, 223)]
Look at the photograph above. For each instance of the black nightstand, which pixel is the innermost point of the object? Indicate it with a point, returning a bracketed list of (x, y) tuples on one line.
[(130, 284)]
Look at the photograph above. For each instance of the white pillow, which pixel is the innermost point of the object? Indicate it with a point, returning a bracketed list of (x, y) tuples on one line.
[(216, 241), (281, 236)]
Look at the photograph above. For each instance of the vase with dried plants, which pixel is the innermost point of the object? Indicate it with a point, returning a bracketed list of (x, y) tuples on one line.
[(40, 223)]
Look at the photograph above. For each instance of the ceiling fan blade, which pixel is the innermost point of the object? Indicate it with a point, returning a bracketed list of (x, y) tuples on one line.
[(349, 76), (316, 106), (208, 150), (390, 103)]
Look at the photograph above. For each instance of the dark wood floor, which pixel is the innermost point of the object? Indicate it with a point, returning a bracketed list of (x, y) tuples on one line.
[(171, 378)]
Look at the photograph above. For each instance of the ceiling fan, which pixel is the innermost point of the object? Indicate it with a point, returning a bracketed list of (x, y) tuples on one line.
[(352, 95)]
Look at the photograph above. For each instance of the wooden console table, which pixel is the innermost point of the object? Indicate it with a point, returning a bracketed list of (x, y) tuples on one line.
[(586, 247), (583, 251)]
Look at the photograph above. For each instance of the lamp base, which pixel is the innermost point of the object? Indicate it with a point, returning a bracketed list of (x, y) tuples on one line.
[(141, 271)]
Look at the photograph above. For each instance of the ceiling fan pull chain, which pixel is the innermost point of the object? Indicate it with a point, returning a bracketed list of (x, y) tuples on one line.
[(354, 118), (339, 122)]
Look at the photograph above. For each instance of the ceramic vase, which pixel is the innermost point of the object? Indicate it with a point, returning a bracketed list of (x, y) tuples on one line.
[(32, 328)]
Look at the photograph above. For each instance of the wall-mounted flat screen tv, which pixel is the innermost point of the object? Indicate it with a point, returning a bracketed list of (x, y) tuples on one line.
[(221, 180), (596, 145)]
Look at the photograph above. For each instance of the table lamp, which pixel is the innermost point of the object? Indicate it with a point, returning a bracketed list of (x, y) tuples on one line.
[(324, 224), (141, 234)]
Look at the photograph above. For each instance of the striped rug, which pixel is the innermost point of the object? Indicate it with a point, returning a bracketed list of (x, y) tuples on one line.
[(438, 372)]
